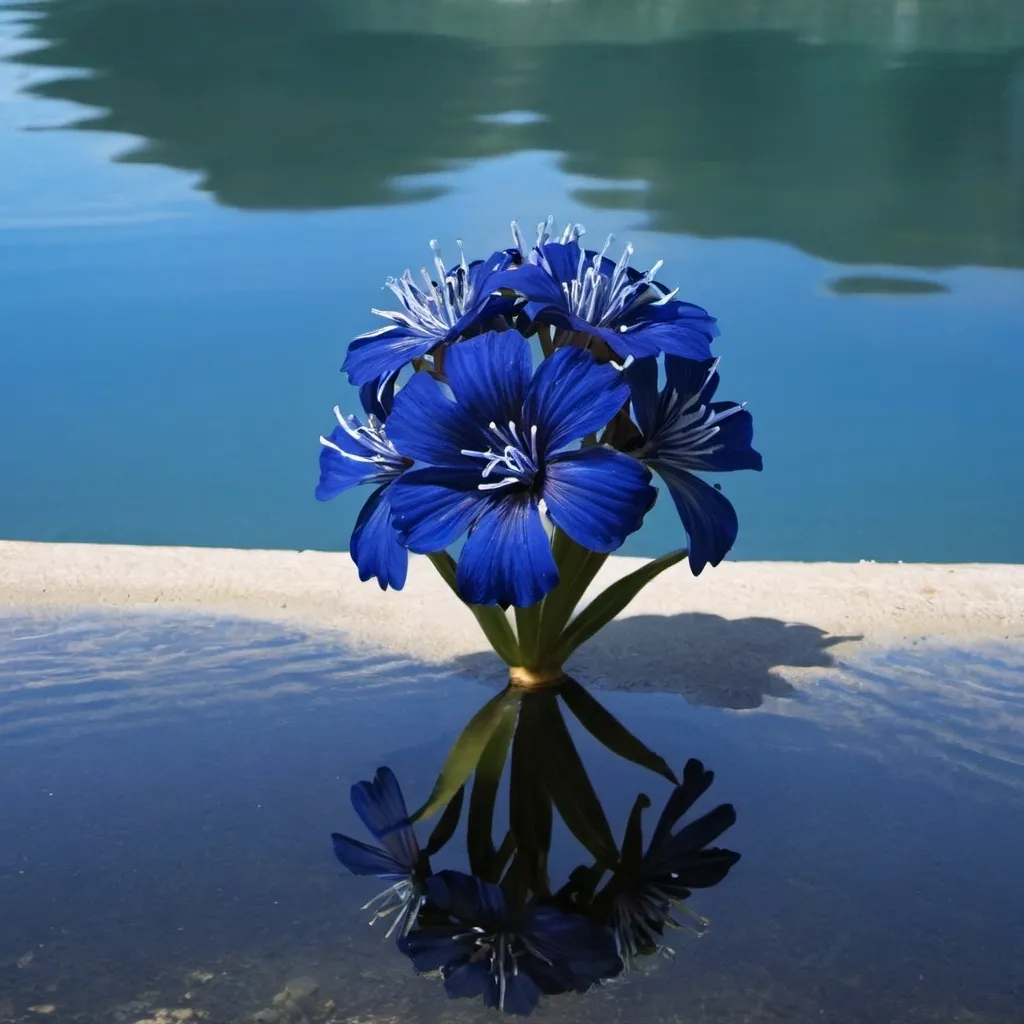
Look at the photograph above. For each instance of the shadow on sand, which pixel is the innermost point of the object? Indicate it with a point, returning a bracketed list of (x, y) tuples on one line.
[(729, 663)]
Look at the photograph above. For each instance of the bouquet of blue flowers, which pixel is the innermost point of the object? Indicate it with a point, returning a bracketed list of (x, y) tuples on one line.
[(515, 410), (520, 404)]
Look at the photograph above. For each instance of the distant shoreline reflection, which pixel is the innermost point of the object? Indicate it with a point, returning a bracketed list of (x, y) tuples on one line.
[(856, 134)]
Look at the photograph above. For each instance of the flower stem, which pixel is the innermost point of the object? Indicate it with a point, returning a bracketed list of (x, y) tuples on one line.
[(528, 631)]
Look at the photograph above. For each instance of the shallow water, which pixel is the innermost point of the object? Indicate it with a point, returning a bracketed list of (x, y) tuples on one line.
[(168, 786), (198, 208)]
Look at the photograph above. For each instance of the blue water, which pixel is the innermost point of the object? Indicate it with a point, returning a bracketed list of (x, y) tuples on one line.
[(198, 206), (168, 786)]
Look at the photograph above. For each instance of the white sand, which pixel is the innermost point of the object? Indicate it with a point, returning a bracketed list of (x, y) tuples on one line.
[(881, 603)]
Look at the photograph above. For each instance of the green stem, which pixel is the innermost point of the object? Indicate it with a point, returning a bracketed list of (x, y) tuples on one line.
[(546, 345), (492, 619), (528, 630), (577, 567)]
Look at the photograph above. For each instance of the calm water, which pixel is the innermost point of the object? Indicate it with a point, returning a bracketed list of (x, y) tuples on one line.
[(167, 787), (199, 203)]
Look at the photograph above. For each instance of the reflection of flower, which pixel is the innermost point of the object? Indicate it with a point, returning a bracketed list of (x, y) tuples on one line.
[(582, 290), (455, 305), (507, 956), (382, 809), (500, 453), (683, 431), (642, 895), (357, 454)]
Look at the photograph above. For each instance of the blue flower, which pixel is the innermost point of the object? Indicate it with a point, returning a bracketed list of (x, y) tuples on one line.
[(684, 431), (460, 302), (585, 291), (508, 956), (357, 454), (499, 454), (645, 890), (381, 808)]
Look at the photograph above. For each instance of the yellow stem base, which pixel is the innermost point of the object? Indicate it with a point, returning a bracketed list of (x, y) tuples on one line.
[(535, 678)]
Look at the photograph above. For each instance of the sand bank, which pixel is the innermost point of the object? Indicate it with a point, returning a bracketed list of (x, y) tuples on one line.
[(876, 603)]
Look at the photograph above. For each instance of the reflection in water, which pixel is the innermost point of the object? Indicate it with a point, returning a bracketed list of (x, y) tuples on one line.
[(857, 133), (865, 284), (505, 932), (167, 785)]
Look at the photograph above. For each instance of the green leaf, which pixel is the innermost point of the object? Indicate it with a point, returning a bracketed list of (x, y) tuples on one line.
[(480, 823), (446, 824), (504, 854), (577, 567), (566, 780), (492, 619), (609, 731), (468, 748), (611, 601), (530, 815)]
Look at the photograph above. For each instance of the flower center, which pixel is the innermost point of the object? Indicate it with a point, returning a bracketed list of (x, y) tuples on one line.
[(373, 439), (438, 305), (500, 951), (511, 458)]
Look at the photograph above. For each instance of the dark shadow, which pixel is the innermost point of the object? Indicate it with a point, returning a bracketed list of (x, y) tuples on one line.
[(729, 663)]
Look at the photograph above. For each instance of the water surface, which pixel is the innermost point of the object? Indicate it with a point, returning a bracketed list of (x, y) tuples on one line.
[(199, 206), (168, 786)]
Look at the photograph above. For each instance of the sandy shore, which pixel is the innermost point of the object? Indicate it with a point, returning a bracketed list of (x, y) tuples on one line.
[(876, 603)]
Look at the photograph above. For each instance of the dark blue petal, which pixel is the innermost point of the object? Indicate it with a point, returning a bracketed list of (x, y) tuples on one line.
[(520, 997), (551, 977), (474, 318), (571, 395), (597, 496), (427, 426), (361, 859), (378, 396), (381, 807), (572, 940), (385, 351), (375, 547), (432, 508), (700, 870), (642, 378), (675, 328), (684, 315), (431, 949), (481, 271), (563, 260), (534, 283), (696, 780), (732, 442), (469, 899), (507, 558), (690, 378), (489, 375), (675, 852), (468, 980), (708, 516), (338, 473)]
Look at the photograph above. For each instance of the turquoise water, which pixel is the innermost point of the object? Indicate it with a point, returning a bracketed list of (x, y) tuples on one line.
[(168, 786), (198, 205)]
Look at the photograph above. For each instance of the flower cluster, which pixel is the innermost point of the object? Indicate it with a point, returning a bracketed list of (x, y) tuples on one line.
[(468, 434)]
